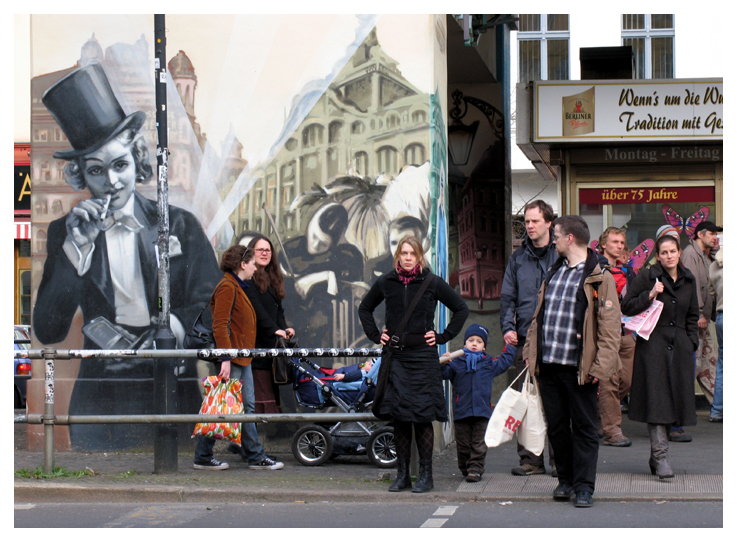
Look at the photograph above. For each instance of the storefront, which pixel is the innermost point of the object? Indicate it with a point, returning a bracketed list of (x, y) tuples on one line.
[(636, 154), (22, 235)]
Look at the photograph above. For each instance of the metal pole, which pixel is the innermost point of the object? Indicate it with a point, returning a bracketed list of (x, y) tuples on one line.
[(165, 378), (48, 417)]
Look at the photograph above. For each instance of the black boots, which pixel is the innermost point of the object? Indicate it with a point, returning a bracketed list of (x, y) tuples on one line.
[(659, 462), (424, 480), (403, 480)]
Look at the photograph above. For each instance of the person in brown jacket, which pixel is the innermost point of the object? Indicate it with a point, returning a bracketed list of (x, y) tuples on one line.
[(572, 344), (234, 326)]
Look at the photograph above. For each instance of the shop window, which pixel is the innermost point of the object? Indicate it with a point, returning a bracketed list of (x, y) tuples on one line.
[(544, 47), (681, 206), (652, 38), (24, 296)]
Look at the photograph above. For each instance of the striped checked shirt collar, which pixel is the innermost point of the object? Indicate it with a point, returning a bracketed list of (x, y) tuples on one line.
[(560, 341)]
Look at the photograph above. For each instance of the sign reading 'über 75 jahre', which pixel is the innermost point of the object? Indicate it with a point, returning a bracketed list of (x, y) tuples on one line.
[(646, 110), (613, 196)]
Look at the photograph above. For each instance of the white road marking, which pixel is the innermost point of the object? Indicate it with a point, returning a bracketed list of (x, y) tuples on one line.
[(445, 511), (434, 523), (23, 506)]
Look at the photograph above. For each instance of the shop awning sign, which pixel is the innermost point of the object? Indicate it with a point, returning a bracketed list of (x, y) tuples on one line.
[(614, 196), (643, 110)]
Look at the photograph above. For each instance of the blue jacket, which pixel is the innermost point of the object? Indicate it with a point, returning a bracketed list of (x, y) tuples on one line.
[(472, 391), (522, 280)]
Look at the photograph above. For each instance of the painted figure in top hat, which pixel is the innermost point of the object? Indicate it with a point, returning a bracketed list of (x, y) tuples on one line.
[(101, 259)]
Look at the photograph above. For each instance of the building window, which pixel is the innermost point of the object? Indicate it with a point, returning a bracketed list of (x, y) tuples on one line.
[(414, 155), (334, 132), (652, 38), (419, 117), (387, 160), (312, 136), (358, 127), (544, 47), (360, 161)]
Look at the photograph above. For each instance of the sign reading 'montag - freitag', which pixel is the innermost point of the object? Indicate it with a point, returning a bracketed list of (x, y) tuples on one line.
[(633, 109)]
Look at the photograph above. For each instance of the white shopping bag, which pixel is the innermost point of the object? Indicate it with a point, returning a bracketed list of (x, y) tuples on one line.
[(506, 417), (533, 429)]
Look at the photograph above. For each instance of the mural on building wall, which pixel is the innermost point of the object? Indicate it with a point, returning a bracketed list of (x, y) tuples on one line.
[(346, 175)]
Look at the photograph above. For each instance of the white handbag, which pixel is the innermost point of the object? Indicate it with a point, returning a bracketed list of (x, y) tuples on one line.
[(533, 429), (507, 416)]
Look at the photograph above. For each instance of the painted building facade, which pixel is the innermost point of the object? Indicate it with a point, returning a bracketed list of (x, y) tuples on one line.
[(362, 137)]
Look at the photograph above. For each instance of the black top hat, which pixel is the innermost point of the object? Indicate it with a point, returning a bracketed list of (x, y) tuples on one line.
[(84, 106)]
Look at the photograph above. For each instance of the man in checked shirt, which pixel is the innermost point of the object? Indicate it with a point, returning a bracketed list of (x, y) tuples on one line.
[(572, 343)]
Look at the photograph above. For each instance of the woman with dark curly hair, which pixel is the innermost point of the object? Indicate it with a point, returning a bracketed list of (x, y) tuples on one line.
[(267, 293), (662, 391)]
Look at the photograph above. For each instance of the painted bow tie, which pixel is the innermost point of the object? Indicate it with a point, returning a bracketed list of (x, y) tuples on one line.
[(118, 218)]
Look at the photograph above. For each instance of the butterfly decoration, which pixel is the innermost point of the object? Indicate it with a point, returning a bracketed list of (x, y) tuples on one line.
[(674, 219), (640, 255)]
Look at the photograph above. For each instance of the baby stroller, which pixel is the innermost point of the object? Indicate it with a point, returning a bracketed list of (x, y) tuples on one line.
[(317, 388)]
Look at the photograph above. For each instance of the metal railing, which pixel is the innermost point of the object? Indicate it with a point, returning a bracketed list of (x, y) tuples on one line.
[(51, 355)]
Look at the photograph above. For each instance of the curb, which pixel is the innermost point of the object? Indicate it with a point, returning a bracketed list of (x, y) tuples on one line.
[(65, 493)]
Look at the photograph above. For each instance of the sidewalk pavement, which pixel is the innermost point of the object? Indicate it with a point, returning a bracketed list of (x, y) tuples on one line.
[(623, 475)]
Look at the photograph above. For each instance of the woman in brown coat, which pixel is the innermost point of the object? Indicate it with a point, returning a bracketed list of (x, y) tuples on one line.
[(234, 326), (662, 391)]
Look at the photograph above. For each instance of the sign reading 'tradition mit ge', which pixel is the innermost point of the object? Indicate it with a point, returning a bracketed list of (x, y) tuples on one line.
[(646, 110)]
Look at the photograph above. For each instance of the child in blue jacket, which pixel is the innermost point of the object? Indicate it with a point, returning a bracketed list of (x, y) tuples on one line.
[(471, 375)]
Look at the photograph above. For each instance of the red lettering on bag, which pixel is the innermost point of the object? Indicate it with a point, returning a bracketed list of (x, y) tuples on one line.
[(512, 424)]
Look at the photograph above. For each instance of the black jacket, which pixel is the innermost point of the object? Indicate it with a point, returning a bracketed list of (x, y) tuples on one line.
[(269, 320), (522, 280), (398, 297), (663, 373)]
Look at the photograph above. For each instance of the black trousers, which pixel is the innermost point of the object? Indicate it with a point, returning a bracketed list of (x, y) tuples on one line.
[(470, 445), (571, 412)]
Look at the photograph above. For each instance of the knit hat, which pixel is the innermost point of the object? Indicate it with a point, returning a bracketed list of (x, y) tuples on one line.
[(479, 331), (666, 230)]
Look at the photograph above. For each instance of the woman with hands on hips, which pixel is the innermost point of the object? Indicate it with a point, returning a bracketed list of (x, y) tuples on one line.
[(414, 395)]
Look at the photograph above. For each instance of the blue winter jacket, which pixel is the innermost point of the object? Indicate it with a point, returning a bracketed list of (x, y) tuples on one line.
[(472, 390)]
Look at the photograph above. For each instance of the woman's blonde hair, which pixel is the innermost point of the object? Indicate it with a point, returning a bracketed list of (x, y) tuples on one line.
[(416, 244)]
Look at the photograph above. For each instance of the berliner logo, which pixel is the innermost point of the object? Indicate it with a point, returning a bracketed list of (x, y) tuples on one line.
[(578, 113)]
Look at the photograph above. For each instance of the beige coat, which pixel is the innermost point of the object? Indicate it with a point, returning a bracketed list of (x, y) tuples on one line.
[(602, 329), (716, 271)]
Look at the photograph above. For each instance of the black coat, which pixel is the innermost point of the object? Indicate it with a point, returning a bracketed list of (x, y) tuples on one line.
[(269, 319), (663, 375), (415, 390)]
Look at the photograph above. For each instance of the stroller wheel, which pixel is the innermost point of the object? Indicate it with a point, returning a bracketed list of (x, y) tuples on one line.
[(312, 445), (381, 449)]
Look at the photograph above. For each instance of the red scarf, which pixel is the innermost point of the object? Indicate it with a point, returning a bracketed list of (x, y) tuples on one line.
[(407, 276)]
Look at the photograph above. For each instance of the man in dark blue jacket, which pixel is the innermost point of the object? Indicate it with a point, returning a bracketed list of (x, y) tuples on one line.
[(522, 280), (472, 375)]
